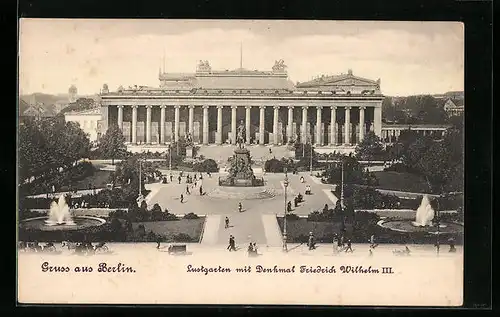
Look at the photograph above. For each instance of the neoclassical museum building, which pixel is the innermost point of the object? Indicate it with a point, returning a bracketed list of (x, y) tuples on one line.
[(207, 107)]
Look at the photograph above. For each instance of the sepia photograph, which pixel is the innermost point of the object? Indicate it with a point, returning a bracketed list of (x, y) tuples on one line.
[(295, 162)]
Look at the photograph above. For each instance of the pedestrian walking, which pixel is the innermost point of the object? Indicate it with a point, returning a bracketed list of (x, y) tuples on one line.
[(227, 222), (171, 177), (240, 207), (349, 246), (201, 190), (311, 243), (373, 245), (232, 244), (182, 198), (187, 190), (179, 179), (452, 245)]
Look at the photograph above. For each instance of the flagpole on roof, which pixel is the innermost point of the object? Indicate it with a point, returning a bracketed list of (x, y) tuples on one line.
[(241, 55)]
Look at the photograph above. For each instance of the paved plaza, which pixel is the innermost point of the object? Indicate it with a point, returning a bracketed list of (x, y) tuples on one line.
[(257, 221)]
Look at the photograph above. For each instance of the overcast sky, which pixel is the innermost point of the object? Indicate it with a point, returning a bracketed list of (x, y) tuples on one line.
[(408, 57)]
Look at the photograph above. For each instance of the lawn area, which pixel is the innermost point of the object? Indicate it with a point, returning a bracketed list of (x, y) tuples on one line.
[(401, 182), (298, 232), (191, 227), (98, 180)]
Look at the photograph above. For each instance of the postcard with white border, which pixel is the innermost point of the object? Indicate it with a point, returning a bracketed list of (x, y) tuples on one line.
[(240, 162)]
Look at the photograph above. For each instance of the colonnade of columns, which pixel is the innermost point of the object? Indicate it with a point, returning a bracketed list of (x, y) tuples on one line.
[(319, 140), (391, 135)]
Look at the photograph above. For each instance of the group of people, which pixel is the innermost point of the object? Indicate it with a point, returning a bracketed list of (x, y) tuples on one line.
[(343, 244), (191, 182), (82, 248), (296, 200), (252, 249)]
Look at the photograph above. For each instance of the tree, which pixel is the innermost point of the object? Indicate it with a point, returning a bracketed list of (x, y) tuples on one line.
[(112, 144), (127, 175), (370, 148), (50, 144), (353, 172), (442, 164)]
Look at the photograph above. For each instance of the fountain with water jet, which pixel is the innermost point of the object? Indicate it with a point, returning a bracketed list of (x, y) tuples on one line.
[(59, 214), (423, 221), (58, 224), (425, 213)]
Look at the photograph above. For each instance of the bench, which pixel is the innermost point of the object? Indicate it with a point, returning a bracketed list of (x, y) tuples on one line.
[(177, 248)]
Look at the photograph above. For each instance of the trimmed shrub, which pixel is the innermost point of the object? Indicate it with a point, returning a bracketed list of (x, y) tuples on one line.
[(292, 216), (183, 237), (207, 166), (274, 166)]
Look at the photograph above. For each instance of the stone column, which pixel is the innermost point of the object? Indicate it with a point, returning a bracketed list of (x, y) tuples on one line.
[(347, 135), (233, 124), (318, 126), (162, 124), (361, 123), (377, 120), (205, 125), (176, 123), (333, 125), (191, 121), (289, 126), (148, 124), (275, 125), (134, 124), (247, 124), (304, 125), (120, 117), (261, 125), (219, 125)]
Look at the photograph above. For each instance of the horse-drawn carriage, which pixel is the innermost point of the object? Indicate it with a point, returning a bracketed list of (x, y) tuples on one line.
[(36, 247), (86, 248)]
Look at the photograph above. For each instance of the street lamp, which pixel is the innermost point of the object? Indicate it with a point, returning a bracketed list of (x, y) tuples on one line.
[(342, 183), (285, 184), (311, 159), (170, 159), (140, 176), (438, 224)]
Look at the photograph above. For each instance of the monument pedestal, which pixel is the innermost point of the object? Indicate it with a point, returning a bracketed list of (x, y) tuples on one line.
[(241, 172)]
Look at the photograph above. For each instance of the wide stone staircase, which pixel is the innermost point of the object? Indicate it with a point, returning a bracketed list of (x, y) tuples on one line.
[(242, 193), (221, 153)]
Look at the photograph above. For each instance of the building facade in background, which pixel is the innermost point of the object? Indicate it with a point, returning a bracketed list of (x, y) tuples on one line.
[(89, 121), (454, 107)]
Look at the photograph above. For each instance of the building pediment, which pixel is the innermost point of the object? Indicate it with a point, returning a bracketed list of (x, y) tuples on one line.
[(340, 81), (353, 81)]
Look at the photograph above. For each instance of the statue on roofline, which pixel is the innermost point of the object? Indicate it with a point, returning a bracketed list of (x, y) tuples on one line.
[(279, 66), (203, 66)]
